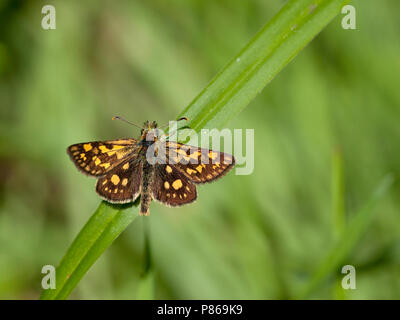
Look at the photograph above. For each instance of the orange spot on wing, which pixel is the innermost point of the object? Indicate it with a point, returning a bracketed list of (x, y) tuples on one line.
[(105, 165), (177, 184), (115, 179)]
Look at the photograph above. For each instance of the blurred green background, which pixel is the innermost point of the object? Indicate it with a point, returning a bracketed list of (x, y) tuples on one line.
[(261, 236)]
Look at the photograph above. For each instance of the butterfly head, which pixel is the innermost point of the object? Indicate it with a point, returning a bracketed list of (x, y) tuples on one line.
[(148, 125), (149, 133)]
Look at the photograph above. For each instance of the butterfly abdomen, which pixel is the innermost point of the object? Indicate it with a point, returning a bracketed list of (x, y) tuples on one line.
[(147, 181)]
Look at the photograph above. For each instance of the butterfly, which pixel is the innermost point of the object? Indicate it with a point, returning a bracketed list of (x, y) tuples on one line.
[(125, 170)]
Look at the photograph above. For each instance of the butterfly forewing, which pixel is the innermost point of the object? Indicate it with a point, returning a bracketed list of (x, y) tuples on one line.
[(198, 164), (172, 187), (122, 184), (98, 157)]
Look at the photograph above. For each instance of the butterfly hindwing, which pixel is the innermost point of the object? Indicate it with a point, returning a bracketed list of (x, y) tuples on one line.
[(172, 187), (122, 184), (199, 164), (98, 157)]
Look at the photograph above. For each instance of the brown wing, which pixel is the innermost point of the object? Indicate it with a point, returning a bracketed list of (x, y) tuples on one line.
[(122, 184), (98, 157), (198, 164), (171, 187)]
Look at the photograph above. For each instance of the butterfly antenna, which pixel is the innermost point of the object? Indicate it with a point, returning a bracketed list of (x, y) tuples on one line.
[(180, 119), (122, 119)]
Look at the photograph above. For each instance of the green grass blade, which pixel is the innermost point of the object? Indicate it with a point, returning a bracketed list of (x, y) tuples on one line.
[(351, 236), (100, 231), (338, 212), (271, 49), (145, 290)]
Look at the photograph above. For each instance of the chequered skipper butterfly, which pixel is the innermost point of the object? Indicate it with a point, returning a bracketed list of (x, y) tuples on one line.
[(124, 172)]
